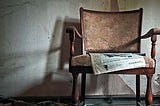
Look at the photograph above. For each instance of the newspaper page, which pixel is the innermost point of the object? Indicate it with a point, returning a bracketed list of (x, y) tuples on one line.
[(110, 62)]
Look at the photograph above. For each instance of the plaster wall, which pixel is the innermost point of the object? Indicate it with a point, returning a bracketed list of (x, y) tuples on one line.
[(34, 47)]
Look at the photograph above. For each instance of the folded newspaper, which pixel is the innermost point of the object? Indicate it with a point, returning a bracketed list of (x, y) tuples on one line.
[(111, 62)]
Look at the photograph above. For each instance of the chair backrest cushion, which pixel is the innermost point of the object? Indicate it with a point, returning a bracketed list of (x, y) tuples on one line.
[(111, 31)]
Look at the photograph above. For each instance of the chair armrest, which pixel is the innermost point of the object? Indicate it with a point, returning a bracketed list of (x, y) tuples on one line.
[(72, 31), (153, 34)]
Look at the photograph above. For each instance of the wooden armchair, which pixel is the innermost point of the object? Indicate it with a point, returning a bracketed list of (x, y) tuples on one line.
[(110, 32)]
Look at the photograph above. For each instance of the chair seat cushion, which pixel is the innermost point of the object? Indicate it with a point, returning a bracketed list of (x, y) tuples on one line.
[(85, 60)]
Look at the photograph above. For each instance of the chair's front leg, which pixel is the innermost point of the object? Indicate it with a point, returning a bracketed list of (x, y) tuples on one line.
[(149, 96), (75, 90)]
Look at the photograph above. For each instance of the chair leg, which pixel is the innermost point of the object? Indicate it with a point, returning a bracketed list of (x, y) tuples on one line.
[(83, 87), (138, 98), (149, 95), (75, 90)]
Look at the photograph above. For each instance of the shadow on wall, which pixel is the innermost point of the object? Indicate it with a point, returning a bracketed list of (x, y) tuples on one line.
[(57, 83), (53, 84)]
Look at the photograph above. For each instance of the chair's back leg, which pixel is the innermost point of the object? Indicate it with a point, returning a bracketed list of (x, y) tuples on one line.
[(138, 98), (83, 87)]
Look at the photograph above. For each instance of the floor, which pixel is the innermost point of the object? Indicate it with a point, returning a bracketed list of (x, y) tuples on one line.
[(66, 101)]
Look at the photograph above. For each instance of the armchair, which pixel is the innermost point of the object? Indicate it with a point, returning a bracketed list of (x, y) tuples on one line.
[(110, 32)]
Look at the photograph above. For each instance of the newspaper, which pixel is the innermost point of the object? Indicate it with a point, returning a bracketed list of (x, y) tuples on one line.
[(110, 62)]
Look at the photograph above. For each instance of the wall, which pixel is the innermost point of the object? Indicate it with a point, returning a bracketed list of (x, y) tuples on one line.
[(34, 47)]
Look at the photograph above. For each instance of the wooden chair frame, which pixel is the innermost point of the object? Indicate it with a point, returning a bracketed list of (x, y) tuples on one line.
[(76, 70)]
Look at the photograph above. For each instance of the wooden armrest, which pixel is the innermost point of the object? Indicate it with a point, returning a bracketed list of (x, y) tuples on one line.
[(153, 34), (72, 34)]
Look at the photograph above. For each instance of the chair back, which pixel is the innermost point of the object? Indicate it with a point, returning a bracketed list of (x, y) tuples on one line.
[(111, 31)]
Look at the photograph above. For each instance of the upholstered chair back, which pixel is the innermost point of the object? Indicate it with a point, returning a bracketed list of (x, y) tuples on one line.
[(111, 31)]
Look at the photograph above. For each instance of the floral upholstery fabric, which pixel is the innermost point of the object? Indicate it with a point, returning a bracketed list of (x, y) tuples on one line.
[(111, 31)]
